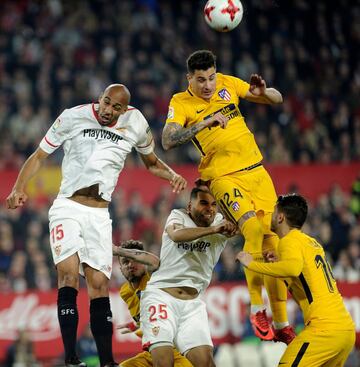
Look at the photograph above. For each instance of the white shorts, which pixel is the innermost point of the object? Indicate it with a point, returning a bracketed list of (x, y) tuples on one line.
[(166, 320), (76, 228)]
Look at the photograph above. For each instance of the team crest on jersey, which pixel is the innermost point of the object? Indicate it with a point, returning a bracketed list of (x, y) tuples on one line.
[(170, 114), (57, 250), (235, 206), (155, 330), (224, 94)]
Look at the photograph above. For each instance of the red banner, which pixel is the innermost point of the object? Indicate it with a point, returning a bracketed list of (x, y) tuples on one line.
[(310, 180), (227, 305)]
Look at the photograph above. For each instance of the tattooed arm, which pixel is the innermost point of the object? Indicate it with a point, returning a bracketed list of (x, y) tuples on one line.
[(143, 257), (174, 134)]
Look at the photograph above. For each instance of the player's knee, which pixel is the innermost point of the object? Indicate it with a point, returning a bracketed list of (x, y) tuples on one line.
[(253, 233), (68, 280)]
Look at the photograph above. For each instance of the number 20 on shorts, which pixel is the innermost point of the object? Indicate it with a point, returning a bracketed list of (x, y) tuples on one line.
[(158, 311)]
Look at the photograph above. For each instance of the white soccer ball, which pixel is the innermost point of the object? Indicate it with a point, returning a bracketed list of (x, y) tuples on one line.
[(223, 15)]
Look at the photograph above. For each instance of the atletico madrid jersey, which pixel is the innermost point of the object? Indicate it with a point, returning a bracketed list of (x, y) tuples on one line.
[(223, 151)]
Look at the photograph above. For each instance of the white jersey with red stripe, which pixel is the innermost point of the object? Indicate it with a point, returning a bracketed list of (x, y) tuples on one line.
[(190, 263), (95, 154)]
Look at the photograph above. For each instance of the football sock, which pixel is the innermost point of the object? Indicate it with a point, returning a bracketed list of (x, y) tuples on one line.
[(102, 328), (276, 288), (253, 233), (68, 319)]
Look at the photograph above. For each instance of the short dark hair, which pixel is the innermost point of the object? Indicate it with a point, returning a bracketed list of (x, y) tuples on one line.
[(195, 191), (295, 208), (201, 60), (132, 244)]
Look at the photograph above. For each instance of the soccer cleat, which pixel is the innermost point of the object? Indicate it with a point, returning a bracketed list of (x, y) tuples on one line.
[(285, 335), (112, 364), (75, 362), (261, 326)]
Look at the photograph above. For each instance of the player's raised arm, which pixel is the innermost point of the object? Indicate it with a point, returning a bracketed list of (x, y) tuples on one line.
[(259, 93), (160, 169), (140, 256), (31, 166), (175, 134)]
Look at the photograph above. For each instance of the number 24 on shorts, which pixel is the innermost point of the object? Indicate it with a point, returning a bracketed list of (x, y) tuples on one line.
[(159, 310)]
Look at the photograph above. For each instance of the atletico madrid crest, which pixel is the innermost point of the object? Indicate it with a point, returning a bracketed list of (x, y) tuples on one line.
[(224, 94)]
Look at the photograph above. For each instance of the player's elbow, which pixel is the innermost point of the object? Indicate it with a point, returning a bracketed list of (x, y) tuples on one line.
[(166, 145)]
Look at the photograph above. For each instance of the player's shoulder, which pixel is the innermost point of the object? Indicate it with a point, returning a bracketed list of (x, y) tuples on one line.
[(182, 97), (227, 79), (133, 117), (80, 110), (126, 291)]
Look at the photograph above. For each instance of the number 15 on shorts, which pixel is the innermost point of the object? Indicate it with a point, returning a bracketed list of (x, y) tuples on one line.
[(158, 311)]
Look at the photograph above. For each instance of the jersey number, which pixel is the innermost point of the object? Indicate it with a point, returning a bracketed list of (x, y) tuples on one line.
[(57, 233), (237, 194), (325, 266), (161, 312)]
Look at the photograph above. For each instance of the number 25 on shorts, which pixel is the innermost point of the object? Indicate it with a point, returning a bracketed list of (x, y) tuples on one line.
[(158, 311)]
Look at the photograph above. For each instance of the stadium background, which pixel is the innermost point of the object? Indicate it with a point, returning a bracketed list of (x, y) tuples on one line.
[(57, 54)]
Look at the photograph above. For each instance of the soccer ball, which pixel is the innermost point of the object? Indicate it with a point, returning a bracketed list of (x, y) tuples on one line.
[(223, 15)]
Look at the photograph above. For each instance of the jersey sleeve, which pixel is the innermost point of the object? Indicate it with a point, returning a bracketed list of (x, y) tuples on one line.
[(290, 261), (175, 217), (241, 86), (145, 143), (57, 134), (176, 112)]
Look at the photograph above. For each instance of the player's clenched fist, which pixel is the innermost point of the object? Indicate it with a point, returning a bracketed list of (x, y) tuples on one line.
[(16, 199), (217, 120)]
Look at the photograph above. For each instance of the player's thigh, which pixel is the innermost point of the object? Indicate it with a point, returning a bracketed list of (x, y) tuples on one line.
[(180, 360), (162, 356), (346, 339), (234, 201), (202, 356), (97, 233), (159, 314), (140, 360), (65, 231), (262, 190), (314, 348), (193, 330)]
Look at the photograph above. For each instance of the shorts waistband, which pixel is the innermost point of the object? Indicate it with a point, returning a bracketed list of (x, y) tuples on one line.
[(71, 203), (250, 167)]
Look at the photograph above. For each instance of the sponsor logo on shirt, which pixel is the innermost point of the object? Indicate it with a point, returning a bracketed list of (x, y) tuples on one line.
[(102, 134), (230, 111), (199, 246)]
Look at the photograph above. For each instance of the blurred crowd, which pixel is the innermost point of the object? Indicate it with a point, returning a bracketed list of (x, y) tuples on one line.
[(57, 54)]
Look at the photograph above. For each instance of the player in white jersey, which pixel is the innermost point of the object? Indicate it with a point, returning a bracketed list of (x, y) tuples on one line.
[(96, 139), (172, 312)]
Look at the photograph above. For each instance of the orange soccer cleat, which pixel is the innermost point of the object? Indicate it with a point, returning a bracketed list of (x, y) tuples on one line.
[(261, 326), (285, 335)]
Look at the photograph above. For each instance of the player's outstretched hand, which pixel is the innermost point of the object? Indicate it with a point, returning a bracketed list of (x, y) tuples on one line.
[(178, 183), (16, 199), (257, 85), (244, 257), (217, 120), (127, 328)]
